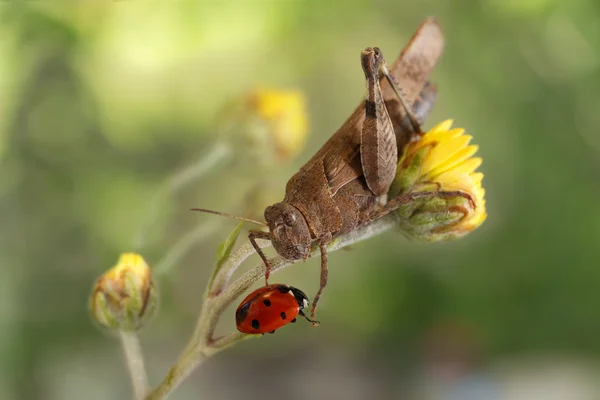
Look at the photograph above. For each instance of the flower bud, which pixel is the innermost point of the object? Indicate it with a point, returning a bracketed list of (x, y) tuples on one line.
[(261, 195), (124, 297), (441, 162), (276, 121)]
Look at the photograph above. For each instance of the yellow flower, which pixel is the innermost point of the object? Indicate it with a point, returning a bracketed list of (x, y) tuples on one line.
[(279, 119), (442, 160), (124, 297)]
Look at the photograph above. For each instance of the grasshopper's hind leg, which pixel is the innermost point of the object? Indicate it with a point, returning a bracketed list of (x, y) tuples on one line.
[(378, 147), (403, 199), (414, 122)]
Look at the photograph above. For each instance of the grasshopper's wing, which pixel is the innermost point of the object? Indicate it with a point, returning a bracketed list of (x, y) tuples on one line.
[(423, 104), (411, 70), (342, 168), (340, 156), (308, 191)]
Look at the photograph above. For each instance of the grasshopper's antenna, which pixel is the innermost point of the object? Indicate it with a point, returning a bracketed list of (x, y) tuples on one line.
[(411, 117), (229, 215)]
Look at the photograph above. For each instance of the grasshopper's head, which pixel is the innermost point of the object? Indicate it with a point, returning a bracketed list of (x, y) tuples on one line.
[(289, 231)]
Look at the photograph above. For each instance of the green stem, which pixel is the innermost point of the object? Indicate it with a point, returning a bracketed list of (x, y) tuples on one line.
[(205, 164), (183, 245), (202, 345), (135, 363), (231, 265)]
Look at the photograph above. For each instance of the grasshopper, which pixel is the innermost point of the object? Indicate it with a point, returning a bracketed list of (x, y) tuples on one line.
[(344, 185)]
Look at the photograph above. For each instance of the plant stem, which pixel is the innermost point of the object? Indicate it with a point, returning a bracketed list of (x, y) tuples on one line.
[(183, 245), (231, 265), (202, 345), (205, 164), (135, 363)]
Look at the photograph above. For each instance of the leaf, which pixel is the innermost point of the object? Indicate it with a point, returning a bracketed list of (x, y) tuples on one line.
[(225, 248)]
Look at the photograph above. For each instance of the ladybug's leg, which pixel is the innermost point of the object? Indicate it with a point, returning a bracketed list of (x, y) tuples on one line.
[(315, 323), (252, 236), (322, 242)]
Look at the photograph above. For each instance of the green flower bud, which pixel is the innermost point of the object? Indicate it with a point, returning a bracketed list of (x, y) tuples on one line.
[(440, 162), (124, 297), (435, 219)]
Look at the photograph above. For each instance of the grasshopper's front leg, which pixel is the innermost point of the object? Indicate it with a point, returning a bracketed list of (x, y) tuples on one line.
[(252, 236), (324, 274), (378, 147)]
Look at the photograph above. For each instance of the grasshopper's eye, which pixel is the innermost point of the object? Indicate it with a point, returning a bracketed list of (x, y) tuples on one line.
[(289, 219)]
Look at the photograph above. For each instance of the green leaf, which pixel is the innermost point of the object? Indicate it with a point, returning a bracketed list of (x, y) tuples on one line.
[(225, 249)]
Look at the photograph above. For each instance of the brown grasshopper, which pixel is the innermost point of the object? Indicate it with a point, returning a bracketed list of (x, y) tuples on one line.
[(344, 185)]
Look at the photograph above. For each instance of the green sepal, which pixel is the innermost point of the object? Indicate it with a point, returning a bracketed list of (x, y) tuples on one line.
[(123, 310), (431, 220), (408, 172)]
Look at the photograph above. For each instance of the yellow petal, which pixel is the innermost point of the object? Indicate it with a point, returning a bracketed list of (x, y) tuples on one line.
[(474, 222), (468, 166), (455, 160), (442, 126), (481, 195), (477, 177), (444, 151)]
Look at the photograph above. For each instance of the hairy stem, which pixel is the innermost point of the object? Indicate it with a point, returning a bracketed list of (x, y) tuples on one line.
[(135, 363), (202, 344)]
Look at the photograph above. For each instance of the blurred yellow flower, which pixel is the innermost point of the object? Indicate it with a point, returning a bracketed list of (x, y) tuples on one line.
[(280, 118), (124, 297), (442, 160)]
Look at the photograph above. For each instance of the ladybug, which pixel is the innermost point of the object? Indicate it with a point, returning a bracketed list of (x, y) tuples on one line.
[(269, 308)]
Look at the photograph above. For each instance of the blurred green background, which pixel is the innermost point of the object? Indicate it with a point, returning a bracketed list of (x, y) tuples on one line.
[(101, 103)]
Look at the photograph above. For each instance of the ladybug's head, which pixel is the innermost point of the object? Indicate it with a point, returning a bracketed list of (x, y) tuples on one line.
[(289, 231), (301, 298)]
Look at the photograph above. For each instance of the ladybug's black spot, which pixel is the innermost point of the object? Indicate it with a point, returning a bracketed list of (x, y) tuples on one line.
[(255, 324), (267, 302), (283, 316)]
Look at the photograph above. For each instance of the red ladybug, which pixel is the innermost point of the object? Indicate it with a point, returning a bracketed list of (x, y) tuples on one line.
[(269, 308)]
